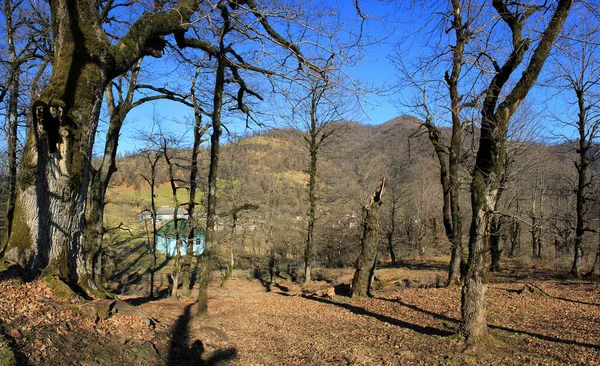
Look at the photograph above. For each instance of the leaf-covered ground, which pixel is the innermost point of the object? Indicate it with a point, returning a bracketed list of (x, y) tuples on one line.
[(535, 317)]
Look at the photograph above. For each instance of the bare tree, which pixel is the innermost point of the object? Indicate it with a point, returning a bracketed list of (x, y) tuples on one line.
[(367, 260), (456, 101), (200, 128), (152, 156), (578, 64), (499, 104), (57, 158)]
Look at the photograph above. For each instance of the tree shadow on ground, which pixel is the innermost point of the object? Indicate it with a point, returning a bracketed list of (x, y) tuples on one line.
[(506, 329), (267, 284), (161, 294), (383, 318), (533, 288), (421, 265), (182, 354)]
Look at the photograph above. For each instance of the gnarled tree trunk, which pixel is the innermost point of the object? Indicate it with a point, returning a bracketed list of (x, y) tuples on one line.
[(366, 260), (51, 199), (48, 228)]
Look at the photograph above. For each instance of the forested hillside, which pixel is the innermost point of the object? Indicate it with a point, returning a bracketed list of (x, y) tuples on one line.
[(269, 169)]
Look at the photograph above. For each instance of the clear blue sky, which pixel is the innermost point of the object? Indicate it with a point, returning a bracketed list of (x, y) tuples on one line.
[(389, 24), (374, 68)]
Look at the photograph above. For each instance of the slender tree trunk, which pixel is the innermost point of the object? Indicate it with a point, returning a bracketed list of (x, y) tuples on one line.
[(366, 260), (199, 131), (154, 229), (515, 237), (596, 260), (100, 178), (390, 239), (392, 231), (312, 199), (12, 115), (176, 271), (582, 166), (495, 238), (152, 161), (204, 259)]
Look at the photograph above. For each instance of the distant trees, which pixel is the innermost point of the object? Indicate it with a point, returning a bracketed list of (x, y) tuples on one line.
[(317, 100), (314, 113), (578, 64), (91, 50)]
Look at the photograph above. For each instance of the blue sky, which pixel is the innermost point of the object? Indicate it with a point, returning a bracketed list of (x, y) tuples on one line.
[(389, 24), (374, 68)]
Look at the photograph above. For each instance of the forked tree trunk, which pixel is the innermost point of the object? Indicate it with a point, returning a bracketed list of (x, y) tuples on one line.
[(366, 260), (487, 173)]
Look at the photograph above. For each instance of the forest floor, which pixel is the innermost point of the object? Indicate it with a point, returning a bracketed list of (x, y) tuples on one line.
[(534, 316)]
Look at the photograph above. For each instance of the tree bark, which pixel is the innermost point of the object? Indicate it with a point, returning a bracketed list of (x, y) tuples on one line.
[(54, 175), (361, 284), (312, 199), (495, 237), (495, 116), (581, 165), (204, 259), (515, 237), (199, 131), (48, 229)]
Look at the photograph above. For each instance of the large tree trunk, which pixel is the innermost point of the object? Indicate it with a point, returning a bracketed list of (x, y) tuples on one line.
[(49, 215), (51, 199), (366, 260), (487, 173)]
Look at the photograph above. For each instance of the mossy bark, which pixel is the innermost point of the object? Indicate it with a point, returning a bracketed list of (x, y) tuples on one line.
[(496, 113), (48, 234), (53, 182)]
